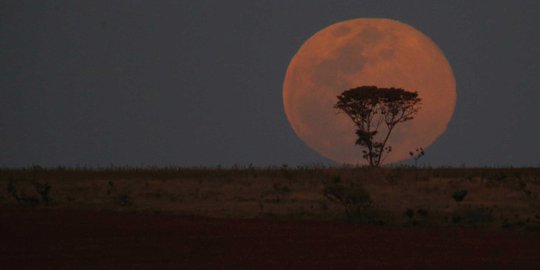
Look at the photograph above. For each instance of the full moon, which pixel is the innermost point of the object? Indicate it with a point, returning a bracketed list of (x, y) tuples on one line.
[(379, 52)]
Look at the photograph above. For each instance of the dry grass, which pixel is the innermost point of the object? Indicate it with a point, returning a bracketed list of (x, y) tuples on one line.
[(496, 198)]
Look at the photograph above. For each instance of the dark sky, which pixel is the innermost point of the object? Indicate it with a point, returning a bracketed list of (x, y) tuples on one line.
[(199, 83)]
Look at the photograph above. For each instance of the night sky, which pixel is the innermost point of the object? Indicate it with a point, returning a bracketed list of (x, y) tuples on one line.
[(199, 83)]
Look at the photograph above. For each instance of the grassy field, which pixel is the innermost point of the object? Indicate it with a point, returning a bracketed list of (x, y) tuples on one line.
[(491, 198)]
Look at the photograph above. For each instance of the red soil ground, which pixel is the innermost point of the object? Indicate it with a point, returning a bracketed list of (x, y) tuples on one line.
[(69, 239)]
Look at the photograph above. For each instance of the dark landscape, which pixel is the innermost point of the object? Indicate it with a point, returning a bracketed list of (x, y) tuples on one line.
[(275, 218)]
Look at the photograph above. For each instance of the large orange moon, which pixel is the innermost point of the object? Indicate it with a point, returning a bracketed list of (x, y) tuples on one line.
[(380, 52)]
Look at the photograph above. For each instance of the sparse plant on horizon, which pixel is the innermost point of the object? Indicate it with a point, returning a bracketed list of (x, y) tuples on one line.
[(418, 217), (12, 190), (20, 197), (110, 188), (474, 216), (124, 200), (370, 107), (280, 188), (409, 213), (459, 195), (43, 189), (354, 199), (416, 155)]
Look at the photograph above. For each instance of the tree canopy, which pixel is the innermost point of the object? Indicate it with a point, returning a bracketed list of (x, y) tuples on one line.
[(369, 107)]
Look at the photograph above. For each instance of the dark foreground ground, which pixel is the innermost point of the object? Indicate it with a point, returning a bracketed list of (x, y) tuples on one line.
[(76, 239)]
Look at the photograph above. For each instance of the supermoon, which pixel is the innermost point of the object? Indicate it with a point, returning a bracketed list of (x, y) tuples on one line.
[(380, 52)]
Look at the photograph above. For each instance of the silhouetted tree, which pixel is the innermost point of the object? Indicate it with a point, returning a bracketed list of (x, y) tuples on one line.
[(369, 107)]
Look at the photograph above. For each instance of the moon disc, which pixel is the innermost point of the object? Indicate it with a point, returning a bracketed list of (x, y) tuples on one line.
[(380, 52)]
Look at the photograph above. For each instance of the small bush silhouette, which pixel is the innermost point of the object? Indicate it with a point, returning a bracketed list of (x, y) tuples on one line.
[(12, 190), (43, 189), (459, 195), (124, 200), (20, 197), (474, 216), (416, 155), (422, 212), (409, 213), (418, 217), (280, 188), (355, 199)]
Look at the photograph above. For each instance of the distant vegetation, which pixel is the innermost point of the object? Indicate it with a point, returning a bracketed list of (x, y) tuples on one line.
[(496, 198)]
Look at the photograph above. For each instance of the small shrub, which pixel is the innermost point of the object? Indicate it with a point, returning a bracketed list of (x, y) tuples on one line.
[(517, 223), (323, 206), (43, 189), (12, 190), (417, 154), (124, 200), (110, 188), (418, 217), (478, 216), (409, 213), (498, 177), (281, 189), (459, 195), (356, 200), (394, 176), (422, 212), (21, 198)]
